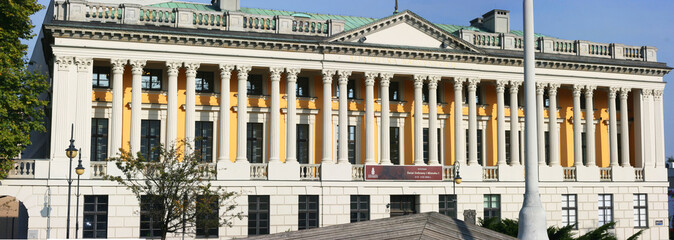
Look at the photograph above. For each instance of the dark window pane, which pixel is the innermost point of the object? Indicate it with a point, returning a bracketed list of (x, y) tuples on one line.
[(149, 139), (254, 84), (151, 79), (308, 212), (99, 139), (204, 82), (394, 91), (101, 77), (255, 142), (352, 144), (302, 87), (203, 140), (403, 205), (395, 145), (360, 208), (95, 216), (303, 143)]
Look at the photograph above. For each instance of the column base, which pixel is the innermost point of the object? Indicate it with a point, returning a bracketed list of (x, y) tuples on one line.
[(652, 174), (336, 172), (471, 173), (228, 170), (623, 174), (283, 171), (511, 173), (587, 174), (550, 173)]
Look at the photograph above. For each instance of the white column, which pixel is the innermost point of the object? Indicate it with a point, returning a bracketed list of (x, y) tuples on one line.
[(589, 126), (327, 116), (613, 126), (553, 132), (242, 114), (647, 132), (275, 115), (472, 121), (514, 124), (83, 112), (624, 128), (117, 105), (343, 157), (433, 120), (418, 118), (385, 119), (61, 121), (540, 122), (190, 98), (369, 117), (136, 98), (459, 134), (659, 136), (291, 125), (577, 131), (500, 121), (172, 69), (225, 105)]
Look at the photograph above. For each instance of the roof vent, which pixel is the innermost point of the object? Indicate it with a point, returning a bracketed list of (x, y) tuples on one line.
[(301, 15), (497, 21), (227, 5)]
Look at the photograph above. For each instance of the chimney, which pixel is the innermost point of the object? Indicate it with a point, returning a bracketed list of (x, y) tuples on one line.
[(497, 21), (227, 5), (477, 22)]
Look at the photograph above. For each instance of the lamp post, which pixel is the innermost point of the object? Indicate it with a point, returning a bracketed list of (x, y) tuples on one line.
[(79, 170), (457, 177), (71, 152)]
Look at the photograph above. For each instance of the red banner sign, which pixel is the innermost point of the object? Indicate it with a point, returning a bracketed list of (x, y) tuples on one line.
[(405, 172)]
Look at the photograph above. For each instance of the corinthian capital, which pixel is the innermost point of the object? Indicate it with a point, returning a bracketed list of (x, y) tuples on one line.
[(291, 74), (118, 65), (275, 73), (64, 62), (369, 78), (84, 64), (328, 75), (137, 66), (433, 82), (344, 76), (191, 68), (172, 68)]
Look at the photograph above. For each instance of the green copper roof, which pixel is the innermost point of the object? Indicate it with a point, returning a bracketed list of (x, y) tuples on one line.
[(350, 22)]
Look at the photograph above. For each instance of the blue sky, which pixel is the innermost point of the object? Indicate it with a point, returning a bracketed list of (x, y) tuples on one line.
[(630, 22)]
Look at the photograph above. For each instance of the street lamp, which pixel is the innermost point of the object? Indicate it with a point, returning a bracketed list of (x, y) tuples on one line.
[(457, 177), (71, 152), (79, 170)]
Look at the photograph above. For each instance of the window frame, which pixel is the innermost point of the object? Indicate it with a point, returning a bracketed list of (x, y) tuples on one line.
[(212, 214), (98, 138), (638, 208), (604, 212), (253, 141), (491, 210), (302, 88), (204, 78), (392, 96), (204, 140), (407, 204), (568, 209), (258, 208), (362, 208), (95, 214), (154, 76), (252, 81), (394, 140), (426, 144), (448, 205), (147, 141), (305, 211), (155, 206), (302, 146), (96, 77)]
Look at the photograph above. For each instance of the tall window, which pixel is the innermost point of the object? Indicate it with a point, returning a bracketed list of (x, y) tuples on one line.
[(208, 220), (255, 137), (426, 144), (151, 79), (569, 210), (547, 148), (492, 206), (204, 82), (351, 143), (150, 131), (403, 205), (640, 210), (507, 147), (258, 214), (151, 208), (350, 89), (99, 139), (360, 208), (303, 143), (395, 145), (308, 212), (394, 91), (605, 203), (203, 140), (101, 77), (479, 145), (424, 93), (95, 223), (620, 145), (448, 205), (254, 84), (302, 87)]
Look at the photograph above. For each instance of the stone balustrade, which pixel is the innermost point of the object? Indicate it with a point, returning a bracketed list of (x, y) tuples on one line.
[(310, 172), (569, 174), (99, 169), (357, 172), (258, 171), (448, 173), (560, 46), (639, 174), (605, 174), (490, 173), (23, 169), (134, 14)]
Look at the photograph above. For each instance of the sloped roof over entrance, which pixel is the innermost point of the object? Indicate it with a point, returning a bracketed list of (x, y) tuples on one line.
[(431, 225)]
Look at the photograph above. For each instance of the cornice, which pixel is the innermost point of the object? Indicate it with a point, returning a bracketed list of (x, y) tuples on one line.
[(322, 47)]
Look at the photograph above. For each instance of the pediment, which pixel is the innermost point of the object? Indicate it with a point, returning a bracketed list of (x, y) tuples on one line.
[(404, 29)]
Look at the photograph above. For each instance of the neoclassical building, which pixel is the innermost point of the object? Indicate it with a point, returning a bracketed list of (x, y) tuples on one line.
[(322, 119)]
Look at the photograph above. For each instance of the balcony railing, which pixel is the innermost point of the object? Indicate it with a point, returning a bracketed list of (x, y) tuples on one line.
[(23, 169), (258, 171), (606, 174), (569, 174), (98, 169), (490, 173), (639, 174), (358, 172), (310, 172), (447, 173)]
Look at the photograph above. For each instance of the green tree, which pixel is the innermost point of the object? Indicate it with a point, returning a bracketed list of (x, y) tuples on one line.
[(510, 227), (175, 190), (21, 111)]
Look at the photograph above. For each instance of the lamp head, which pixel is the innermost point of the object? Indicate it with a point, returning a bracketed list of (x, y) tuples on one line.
[(71, 152), (457, 179), (79, 170)]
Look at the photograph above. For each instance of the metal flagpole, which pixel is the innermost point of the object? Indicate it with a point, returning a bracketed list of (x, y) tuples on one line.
[(532, 223)]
